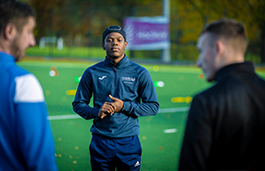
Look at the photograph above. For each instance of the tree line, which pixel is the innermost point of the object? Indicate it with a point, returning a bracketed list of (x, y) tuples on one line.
[(81, 22)]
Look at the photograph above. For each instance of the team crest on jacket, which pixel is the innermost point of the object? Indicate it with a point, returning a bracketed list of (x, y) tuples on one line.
[(128, 80)]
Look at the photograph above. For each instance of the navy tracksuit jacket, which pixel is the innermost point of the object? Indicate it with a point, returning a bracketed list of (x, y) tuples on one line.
[(127, 81)]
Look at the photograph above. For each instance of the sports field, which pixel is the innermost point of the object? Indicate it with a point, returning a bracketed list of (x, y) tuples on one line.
[(161, 135)]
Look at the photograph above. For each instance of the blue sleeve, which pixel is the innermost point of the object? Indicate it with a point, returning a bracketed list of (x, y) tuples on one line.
[(35, 136), (83, 96), (149, 105), (33, 129)]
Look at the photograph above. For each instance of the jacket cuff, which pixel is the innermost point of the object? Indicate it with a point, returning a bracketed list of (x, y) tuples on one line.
[(95, 112), (126, 106)]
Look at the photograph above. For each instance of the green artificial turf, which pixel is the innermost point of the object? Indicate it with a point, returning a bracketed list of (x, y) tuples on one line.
[(72, 136)]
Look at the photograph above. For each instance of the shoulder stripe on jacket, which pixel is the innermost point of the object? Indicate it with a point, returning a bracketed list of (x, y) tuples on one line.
[(28, 89)]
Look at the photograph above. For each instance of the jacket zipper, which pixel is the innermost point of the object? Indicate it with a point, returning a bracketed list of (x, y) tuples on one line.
[(115, 80)]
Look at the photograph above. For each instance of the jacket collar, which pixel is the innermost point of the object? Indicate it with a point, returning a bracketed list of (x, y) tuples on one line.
[(123, 63), (237, 69), (6, 57)]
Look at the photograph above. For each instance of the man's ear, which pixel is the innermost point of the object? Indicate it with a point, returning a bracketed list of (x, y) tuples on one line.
[(220, 48), (125, 44), (103, 46), (10, 31)]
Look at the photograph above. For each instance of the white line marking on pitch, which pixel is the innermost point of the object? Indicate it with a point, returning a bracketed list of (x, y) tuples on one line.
[(172, 110), (168, 131), (62, 117), (76, 116)]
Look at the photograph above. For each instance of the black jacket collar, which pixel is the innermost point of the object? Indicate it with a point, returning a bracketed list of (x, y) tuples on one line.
[(123, 63), (245, 68)]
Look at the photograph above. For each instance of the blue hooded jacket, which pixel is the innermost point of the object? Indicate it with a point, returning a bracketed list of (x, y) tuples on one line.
[(127, 81)]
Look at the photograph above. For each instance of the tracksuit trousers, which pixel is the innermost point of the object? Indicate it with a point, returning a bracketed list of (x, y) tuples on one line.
[(110, 153)]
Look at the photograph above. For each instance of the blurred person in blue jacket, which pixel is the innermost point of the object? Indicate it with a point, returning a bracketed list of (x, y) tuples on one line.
[(26, 141), (122, 91)]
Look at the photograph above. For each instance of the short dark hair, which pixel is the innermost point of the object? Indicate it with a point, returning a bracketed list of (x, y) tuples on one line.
[(15, 12), (229, 30)]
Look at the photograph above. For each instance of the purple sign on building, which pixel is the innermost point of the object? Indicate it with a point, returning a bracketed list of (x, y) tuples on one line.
[(147, 33)]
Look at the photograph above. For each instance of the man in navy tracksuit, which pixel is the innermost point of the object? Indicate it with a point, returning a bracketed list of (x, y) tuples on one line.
[(122, 91)]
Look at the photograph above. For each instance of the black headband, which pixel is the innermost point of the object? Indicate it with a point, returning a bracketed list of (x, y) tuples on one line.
[(111, 29)]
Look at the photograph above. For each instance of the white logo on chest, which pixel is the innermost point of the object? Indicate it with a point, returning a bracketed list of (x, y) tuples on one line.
[(101, 78), (128, 80)]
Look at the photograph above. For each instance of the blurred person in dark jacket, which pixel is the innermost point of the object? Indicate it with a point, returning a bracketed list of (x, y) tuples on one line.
[(226, 123)]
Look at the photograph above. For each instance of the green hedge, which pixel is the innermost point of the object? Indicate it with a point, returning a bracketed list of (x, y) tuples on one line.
[(184, 53), (79, 52)]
